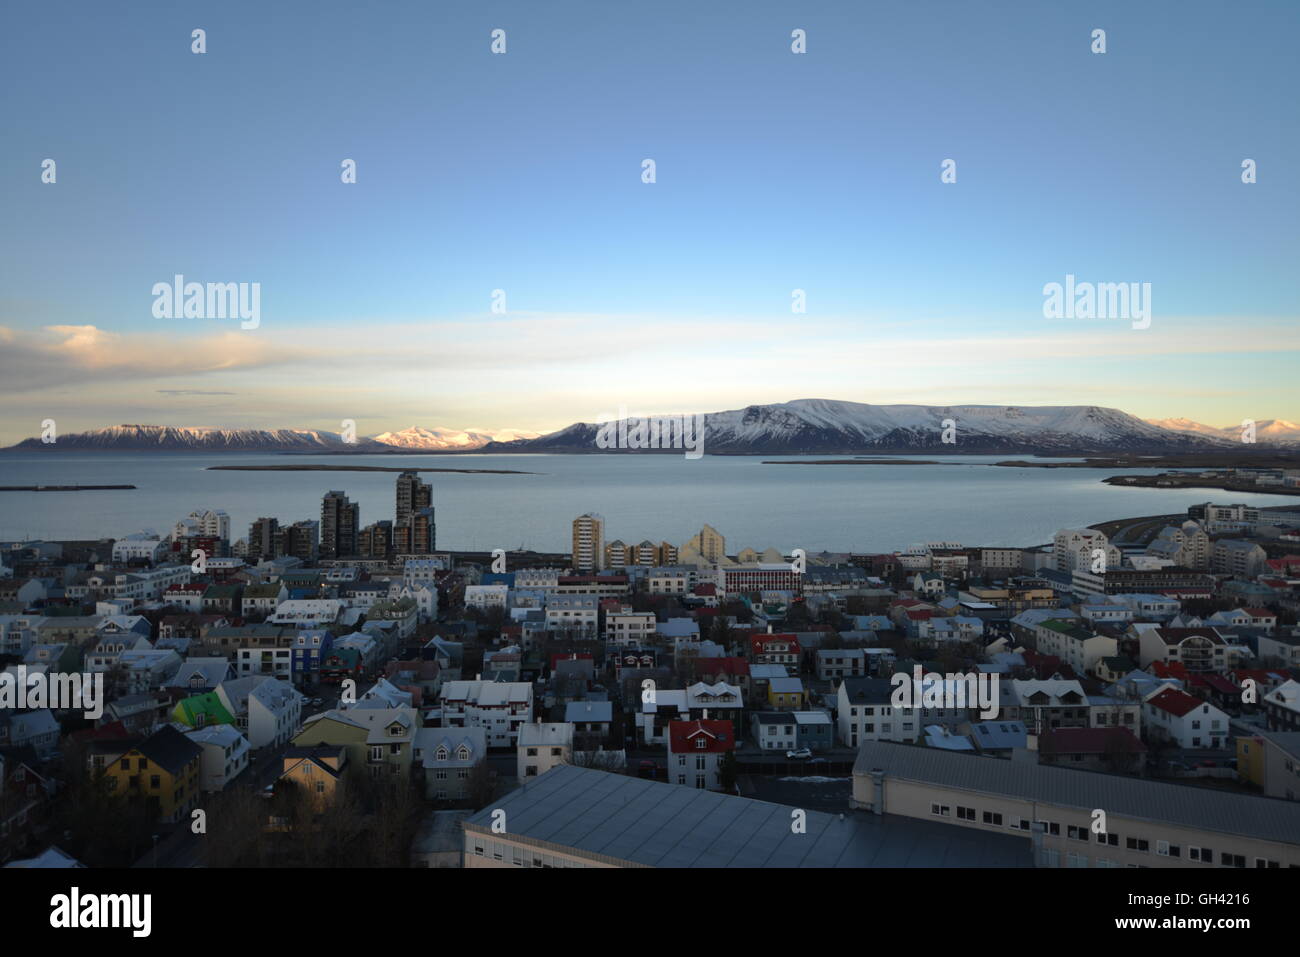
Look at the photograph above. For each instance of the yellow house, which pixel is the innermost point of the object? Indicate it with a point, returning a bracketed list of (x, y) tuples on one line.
[(1250, 760), (315, 771), (162, 770), (786, 694)]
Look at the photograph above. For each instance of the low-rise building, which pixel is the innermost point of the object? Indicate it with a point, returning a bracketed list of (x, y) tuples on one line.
[(449, 758), (696, 750), (225, 755), (542, 746)]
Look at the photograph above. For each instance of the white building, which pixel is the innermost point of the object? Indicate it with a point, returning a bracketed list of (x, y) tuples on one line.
[(306, 613), (498, 707), (225, 755), (537, 579), (1185, 720), (1078, 647), (267, 711), (542, 746), (628, 627), (203, 523), (264, 660), (140, 546), (572, 613), (1075, 548), (672, 580), (485, 597)]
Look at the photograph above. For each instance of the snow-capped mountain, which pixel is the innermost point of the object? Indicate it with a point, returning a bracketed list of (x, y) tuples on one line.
[(1268, 431), (200, 438), (828, 426), (170, 437), (815, 426), (418, 437)]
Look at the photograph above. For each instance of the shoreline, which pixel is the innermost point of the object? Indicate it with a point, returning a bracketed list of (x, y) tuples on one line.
[(356, 468), (65, 488), (1166, 483)]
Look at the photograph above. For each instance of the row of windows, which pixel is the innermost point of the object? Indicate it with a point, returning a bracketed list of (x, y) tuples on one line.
[(1204, 855), (519, 856)]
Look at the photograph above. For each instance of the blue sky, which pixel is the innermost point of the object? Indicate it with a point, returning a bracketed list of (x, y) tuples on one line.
[(522, 172)]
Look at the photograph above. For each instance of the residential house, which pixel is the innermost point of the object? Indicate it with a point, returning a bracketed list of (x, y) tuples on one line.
[(267, 711), (449, 757), (696, 750), (542, 746), (381, 740), (163, 770), (786, 694), (1281, 707), (1094, 749), (500, 708), (225, 755), (1185, 720), (836, 664), (314, 770)]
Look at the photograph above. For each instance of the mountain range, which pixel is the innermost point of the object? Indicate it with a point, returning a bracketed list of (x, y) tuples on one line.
[(202, 438), (1272, 431), (812, 426)]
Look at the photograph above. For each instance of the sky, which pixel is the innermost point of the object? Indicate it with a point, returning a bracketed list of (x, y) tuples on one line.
[(522, 172)]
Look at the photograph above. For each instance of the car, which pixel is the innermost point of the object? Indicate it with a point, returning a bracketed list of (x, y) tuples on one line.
[(1207, 764), (799, 753)]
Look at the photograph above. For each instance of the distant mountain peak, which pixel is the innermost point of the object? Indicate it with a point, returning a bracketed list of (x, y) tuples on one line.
[(440, 439), (1269, 431)]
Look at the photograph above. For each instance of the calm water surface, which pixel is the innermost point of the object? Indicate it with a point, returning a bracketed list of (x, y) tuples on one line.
[(656, 497)]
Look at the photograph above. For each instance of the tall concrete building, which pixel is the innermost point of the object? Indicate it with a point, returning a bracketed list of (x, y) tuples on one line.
[(418, 535), (376, 540), (301, 540), (340, 525), (264, 540), (412, 495), (589, 543)]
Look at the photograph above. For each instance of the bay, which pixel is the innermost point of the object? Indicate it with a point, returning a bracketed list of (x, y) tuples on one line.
[(861, 508)]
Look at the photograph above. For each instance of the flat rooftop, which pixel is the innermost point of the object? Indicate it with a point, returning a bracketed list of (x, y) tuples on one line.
[(1246, 815), (617, 819)]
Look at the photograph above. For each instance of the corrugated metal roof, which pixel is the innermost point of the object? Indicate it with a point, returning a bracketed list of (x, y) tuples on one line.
[(654, 824)]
